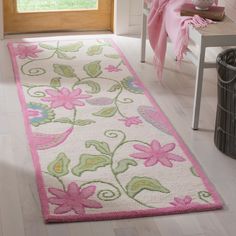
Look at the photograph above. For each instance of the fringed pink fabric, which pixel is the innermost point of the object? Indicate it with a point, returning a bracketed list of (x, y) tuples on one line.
[(165, 21)]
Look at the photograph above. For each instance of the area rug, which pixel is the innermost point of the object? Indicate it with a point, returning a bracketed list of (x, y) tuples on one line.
[(101, 146)]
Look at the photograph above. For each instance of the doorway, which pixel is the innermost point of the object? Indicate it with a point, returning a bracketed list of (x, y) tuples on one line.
[(27, 16)]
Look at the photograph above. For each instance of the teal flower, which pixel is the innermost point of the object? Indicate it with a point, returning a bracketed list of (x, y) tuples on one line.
[(39, 113), (132, 85)]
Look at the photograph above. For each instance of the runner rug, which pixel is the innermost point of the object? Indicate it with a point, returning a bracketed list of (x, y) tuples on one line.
[(102, 148)]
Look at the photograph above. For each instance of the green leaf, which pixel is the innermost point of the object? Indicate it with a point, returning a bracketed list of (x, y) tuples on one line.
[(137, 184), (47, 46), (106, 112), (112, 56), (95, 50), (84, 122), (93, 69), (95, 87), (55, 82), (72, 47), (114, 88), (89, 162), (62, 55), (59, 167), (64, 120), (102, 147), (123, 165), (64, 70)]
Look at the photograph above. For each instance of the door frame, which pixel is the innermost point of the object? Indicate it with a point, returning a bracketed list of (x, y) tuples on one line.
[(121, 17)]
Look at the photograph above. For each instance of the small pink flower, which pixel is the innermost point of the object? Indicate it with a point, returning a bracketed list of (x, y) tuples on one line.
[(182, 202), (112, 68), (65, 98), (156, 153), (74, 199), (133, 120), (24, 51)]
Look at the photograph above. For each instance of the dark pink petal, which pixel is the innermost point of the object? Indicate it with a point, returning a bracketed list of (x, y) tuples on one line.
[(79, 209), (88, 191), (179, 201), (57, 201), (141, 155), (165, 162), (174, 157), (57, 103), (63, 209), (168, 147), (52, 92), (91, 203), (68, 105), (156, 146), (65, 91), (174, 204), (142, 148), (57, 192), (151, 162), (76, 92), (187, 200), (78, 103), (73, 189)]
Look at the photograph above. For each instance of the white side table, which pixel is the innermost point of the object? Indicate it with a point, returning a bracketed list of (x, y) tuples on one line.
[(215, 35)]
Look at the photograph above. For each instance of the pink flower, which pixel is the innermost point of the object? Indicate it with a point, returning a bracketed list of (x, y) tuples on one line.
[(74, 199), (65, 98), (156, 153), (112, 68), (181, 202), (133, 120), (27, 51)]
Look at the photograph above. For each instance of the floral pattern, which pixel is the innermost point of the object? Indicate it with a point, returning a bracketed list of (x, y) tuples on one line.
[(74, 199), (155, 153), (65, 98), (24, 51), (94, 132), (40, 114)]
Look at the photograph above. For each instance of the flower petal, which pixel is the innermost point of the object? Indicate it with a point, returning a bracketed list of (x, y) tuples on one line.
[(57, 192), (73, 189), (65, 91), (63, 209), (151, 162), (141, 155), (142, 148), (57, 201), (52, 92), (165, 161), (156, 146), (88, 191), (91, 203), (187, 200), (79, 209), (75, 92), (69, 105), (174, 157), (168, 147)]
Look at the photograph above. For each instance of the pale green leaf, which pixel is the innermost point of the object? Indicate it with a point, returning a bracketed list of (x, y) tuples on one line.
[(112, 56), (64, 120), (95, 50), (62, 55), (123, 165), (106, 112), (84, 122), (55, 82), (93, 69), (64, 70), (138, 184), (72, 47), (59, 167), (114, 88), (47, 46), (102, 147), (89, 162), (95, 87)]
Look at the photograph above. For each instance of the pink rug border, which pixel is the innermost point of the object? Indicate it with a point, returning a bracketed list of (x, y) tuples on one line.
[(113, 215)]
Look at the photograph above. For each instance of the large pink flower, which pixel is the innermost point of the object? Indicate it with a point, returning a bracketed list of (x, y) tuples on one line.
[(24, 51), (74, 199), (156, 153), (65, 98), (181, 202), (133, 120)]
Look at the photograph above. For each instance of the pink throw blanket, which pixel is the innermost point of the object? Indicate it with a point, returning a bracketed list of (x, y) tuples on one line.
[(165, 21)]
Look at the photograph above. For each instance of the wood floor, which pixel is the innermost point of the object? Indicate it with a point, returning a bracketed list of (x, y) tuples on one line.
[(20, 213)]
